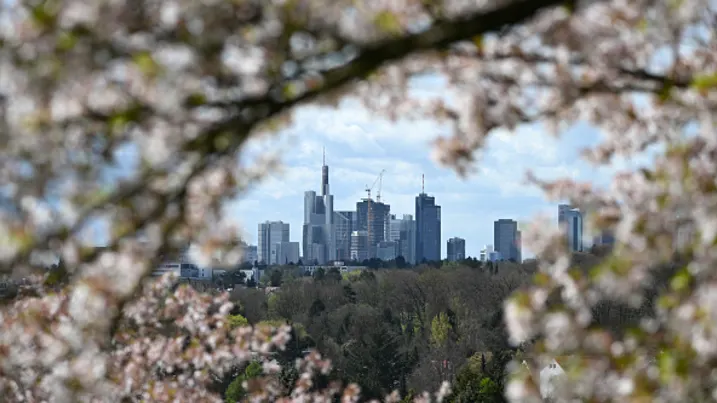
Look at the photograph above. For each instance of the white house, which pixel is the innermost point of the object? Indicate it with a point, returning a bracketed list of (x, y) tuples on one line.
[(549, 377)]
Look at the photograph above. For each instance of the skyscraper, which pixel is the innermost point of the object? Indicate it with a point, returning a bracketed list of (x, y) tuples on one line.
[(376, 228), (343, 227), (506, 238), (318, 237), (570, 220), (270, 234), (428, 227), (359, 246), (456, 249), (284, 253), (403, 232)]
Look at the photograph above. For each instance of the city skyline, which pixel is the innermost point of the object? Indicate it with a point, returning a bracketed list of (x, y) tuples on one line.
[(358, 146)]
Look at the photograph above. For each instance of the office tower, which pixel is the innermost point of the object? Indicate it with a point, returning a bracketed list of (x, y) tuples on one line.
[(506, 239), (271, 233), (387, 250), (428, 227), (343, 227), (251, 253), (318, 238), (456, 249), (359, 246), (376, 229), (570, 220), (403, 232), (285, 253)]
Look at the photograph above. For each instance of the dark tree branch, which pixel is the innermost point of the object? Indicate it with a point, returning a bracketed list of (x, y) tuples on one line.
[(251, 112)]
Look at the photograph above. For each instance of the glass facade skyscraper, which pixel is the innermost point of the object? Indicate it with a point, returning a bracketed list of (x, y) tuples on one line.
[(428, 228)]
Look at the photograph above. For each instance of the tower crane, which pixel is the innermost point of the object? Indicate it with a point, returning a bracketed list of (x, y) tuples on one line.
[(369, 215), (380, 182)]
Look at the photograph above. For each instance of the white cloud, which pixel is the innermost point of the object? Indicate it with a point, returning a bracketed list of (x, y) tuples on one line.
[(359, 145), (362, 131), (290, 181)]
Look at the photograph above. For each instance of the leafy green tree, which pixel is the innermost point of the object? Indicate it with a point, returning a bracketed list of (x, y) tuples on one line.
[(349, 294), (333, 274), (317, 307), (475, 383), (236, 392), (275, 278), (237, 321), (440, 328), (367, 276)]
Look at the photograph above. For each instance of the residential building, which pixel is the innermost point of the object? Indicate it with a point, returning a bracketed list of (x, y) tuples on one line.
[(570, 220), (456, 249), (507, 239), (285, 253), (428, 228), (403, 232), (376, 228), (271, 233)]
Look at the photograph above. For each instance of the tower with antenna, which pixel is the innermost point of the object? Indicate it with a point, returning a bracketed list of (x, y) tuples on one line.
[(428, 226), (324, 174), (318, 238)]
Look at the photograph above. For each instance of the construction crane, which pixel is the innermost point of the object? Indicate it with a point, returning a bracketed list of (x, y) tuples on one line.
[(369, 216), (380, 182)]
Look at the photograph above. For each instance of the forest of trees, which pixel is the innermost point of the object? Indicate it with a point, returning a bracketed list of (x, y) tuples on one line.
[(409, 329)]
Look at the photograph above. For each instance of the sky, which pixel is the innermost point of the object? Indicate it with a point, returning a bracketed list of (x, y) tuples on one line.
[(359, 145)]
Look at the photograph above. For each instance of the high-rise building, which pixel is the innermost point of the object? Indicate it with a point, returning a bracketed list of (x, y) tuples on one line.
[(456, 249), (319, 222), (386, 250), (343, 227), (376, 229), (428, 228), (271, 233), (570, 220), (284, 253), (251, 253), (507, 239), (403, 232), (359, 246)]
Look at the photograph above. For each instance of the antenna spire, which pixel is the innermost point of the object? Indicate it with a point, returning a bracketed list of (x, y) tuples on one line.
[(323, 156), (423, 183)]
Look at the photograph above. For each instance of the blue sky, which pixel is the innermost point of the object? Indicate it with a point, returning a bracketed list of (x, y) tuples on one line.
[(359, 145)]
